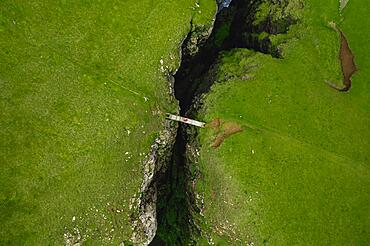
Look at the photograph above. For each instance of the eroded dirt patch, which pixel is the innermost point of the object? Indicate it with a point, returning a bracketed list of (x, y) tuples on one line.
[(223, 130), (346, 59), (215, 124)]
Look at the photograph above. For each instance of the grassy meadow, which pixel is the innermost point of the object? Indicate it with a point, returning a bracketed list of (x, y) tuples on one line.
[(83, 95), (299, 172)]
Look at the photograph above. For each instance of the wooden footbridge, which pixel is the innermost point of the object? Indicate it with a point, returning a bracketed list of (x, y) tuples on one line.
[(186, 120)]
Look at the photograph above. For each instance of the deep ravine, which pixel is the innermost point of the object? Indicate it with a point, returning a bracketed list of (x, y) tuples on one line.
[(175, 224), (232, 29)]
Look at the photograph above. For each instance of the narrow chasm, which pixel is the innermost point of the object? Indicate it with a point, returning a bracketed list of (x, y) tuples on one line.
[(234, 27)]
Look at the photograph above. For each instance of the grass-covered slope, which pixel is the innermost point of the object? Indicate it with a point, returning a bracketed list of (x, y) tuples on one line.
[(82, 97), (299, 172)]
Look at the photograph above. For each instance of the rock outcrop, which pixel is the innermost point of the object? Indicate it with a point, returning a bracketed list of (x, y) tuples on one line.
[(145, 224)]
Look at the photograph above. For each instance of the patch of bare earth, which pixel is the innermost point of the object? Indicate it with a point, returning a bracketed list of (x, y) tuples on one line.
[(346, 58), (223, 130), (347, 61)]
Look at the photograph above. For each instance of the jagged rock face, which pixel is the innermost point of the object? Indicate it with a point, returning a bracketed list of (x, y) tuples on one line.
[(256, 23), (145, 224), (223, 4), (197, 37)]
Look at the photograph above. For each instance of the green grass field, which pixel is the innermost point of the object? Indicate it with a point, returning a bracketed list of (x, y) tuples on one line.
[(82, 98), (299, 172)]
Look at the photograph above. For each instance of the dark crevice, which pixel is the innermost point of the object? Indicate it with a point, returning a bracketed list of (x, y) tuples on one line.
[(174, 219), (233, 28)]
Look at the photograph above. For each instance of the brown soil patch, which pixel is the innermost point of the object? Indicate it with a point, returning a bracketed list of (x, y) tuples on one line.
[(223, 130), (346, 58), (215, 125), (347, 61)]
